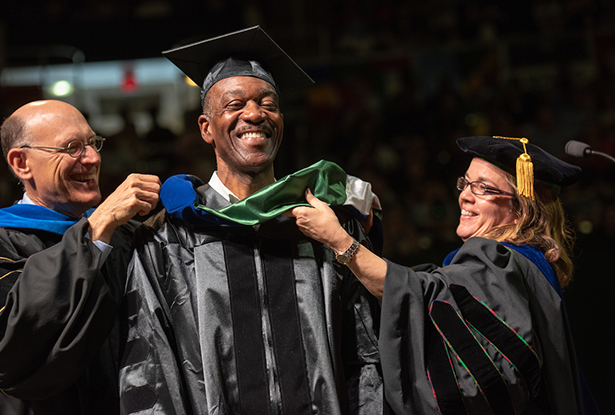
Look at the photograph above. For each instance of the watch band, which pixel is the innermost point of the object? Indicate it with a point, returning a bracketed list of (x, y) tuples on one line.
[(344, 257)]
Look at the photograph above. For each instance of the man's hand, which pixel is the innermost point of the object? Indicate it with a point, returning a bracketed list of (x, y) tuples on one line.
[(139, 193)]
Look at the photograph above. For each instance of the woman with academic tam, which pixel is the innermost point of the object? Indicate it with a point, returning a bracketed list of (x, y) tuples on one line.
[(487, 331)]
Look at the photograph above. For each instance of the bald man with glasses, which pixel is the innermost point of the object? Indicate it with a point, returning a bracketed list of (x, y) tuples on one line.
[(62, 265), (75, 148)]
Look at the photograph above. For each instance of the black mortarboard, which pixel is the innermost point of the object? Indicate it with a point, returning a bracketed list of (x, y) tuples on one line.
[(524, 160), (248, 52)]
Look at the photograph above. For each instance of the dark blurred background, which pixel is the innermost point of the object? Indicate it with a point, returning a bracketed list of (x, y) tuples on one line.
[(396, 83)]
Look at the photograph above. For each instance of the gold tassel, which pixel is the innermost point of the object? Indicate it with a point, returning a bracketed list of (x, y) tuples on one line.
[(525, 171), (525, 176)]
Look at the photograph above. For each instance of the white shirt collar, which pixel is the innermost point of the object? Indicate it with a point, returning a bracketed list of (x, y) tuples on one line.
[(219, 187), (25, 200)]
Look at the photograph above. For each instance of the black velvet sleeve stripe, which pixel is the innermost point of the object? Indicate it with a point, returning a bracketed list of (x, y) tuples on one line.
[(517, 351), (247, 334), (288, 344), (442, 377), (473, 356)]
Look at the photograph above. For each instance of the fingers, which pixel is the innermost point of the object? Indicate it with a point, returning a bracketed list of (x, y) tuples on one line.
[(147, 204), (313, 200), (142, 203), (139, 193), (146, 192), (309, 197), (300, 210), (147, 182), (146, 177)]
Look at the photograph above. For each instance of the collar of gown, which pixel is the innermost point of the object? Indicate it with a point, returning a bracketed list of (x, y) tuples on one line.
[(325, 179)]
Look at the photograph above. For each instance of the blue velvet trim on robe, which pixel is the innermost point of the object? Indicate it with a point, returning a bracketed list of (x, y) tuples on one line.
[(531, 253), (35, 217), (179, 198)]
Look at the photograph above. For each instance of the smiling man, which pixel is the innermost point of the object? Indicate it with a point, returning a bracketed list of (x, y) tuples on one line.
[(68, 185), (230, 309), (62, 265), (243, 122)]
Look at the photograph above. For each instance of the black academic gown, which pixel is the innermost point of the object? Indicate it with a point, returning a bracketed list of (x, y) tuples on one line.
[(246, 320), (486, 333), (59, 308)]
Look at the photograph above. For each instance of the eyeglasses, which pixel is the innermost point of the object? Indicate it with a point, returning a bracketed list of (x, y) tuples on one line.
[(76, 148), (480, 188)]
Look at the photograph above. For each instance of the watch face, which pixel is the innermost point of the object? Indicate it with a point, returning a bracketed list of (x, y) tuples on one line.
[(342, 259)]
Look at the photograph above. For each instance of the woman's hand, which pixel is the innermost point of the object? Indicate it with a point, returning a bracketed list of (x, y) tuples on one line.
[(320, 223)]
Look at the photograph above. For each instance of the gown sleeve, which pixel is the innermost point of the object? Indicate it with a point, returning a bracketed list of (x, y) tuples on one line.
[(150, 376), (473, 336), (58, 309)]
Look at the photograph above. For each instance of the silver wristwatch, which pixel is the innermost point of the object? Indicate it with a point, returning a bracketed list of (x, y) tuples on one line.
[(344, 257)]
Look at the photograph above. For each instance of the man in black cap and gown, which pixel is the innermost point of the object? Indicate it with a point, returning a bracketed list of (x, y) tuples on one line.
[(62, 265), (229, 308)]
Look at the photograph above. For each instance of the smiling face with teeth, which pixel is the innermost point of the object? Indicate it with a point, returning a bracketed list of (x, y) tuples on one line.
[(244, 124), (53, 178), (479, 214)]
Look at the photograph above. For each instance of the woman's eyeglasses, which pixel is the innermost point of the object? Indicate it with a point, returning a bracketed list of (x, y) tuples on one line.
[(480, 188)]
